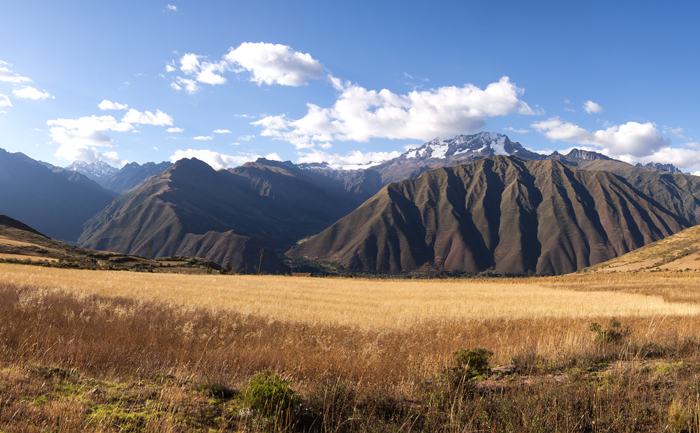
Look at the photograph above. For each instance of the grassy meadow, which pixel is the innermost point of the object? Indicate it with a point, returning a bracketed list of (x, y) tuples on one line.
[(127, 351)]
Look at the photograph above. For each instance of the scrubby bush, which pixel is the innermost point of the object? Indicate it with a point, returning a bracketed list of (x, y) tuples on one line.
[(615, 333), (269, 394)]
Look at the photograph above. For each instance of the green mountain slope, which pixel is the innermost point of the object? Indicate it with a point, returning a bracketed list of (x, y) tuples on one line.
[(499, 213)]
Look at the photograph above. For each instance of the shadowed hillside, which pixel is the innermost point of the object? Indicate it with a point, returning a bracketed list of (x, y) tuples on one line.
[(57, 203), (273, 203), (500, 213), (242, 253), (20, 243)]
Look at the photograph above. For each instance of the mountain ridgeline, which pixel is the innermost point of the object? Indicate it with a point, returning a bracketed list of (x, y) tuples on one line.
[(264, 204), (54, 202), (467, 204), (501, 213)]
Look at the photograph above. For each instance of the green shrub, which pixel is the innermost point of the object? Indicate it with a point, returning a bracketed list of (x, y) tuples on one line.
[(615, 334), (472, 362), (268, 394)]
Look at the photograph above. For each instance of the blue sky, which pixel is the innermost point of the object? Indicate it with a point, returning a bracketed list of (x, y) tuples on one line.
[(346, 82)]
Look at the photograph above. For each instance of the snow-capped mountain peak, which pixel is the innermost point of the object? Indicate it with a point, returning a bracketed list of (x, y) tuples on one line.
[(481, 144), (99, 171)]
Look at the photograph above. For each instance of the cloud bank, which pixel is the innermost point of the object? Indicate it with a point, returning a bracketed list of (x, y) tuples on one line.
[(79, 139), (266, 63), (360, 114)]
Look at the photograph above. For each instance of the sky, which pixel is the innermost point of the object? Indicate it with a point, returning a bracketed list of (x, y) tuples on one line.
[(345, 82)]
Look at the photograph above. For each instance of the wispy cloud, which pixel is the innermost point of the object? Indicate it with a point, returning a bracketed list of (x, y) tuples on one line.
[(216, 160), (148, 118), (109, 105), (8, 76), (591, 107), (29, 92), (519, 131), (203, 137), (222, 131), (171, 8)]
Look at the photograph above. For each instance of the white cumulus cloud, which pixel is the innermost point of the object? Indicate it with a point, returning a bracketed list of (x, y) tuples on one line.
[(147, 118), (204, 72), (29, 92), (109, 105), (79, 139), (274, 64), (171, 8), (222, 131), (216, 160), (5, 101), (174, 129), (631, 139), (204, 138), (360, 114), (8, 76), (591, 107), (267, 64)]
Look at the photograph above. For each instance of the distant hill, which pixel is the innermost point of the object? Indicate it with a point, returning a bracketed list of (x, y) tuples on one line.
[(273, 203), (499, 213), (242, 253), (20, 243), (56, 203), (675, 253)]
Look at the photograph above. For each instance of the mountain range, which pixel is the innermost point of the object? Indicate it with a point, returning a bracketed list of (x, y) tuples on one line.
[(499, 213), (188, 208), (54, 201)]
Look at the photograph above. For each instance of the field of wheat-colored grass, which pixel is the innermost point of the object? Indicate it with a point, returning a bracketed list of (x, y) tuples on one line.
[(159, 348), (369, 303)]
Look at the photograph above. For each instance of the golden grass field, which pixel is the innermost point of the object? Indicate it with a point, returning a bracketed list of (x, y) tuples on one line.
[(371, 304), (384, 344)]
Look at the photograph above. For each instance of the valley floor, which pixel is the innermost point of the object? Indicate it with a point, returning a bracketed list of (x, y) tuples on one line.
[(125, 351)]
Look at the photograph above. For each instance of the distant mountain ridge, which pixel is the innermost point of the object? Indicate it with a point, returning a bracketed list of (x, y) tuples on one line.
[(118, 180), (459, 150), (134, 174), (499, 213), (55, 202), (190, 204), (98, 171)]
